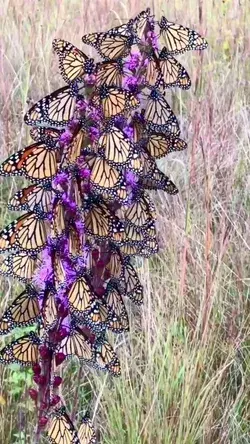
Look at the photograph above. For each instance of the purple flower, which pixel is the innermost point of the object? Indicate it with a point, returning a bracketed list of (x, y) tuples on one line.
[(69, 271), (85, 173), (44, 274), (82, 105), (152, 39), (129, 131), (80, 263), (133, 61), (66, 138), (73, 125), (95, 114), (61, 178), (94, 133), (132, 83), (79, 224), (131, 179)]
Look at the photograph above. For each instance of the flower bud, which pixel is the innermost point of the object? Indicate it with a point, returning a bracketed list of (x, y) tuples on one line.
[(57, 381), (43, 421), (60, 357), (39, 379), (36, 369), (95, 254), (99, 291), (33, 394), (55, 399), (100, 263), (44, 352), (44, 405), (106, 275), (62, 333)]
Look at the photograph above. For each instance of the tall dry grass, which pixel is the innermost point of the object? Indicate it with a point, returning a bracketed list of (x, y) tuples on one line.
[(186, 361)]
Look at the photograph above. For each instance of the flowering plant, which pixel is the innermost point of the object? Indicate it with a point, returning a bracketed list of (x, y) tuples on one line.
[(96, 141)]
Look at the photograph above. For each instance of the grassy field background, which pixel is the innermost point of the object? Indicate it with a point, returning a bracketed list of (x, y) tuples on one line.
[(186, 360)]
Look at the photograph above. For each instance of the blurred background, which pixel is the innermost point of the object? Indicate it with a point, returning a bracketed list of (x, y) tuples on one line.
[(186, 361)]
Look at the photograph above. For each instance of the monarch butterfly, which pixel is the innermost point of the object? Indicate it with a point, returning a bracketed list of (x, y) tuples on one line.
[(97, 221), (140, 22), (80, 297), (116, 146), (20, 266), (133, 287), (141, 212), (110, 73), (61, 429), (115, 264), (54, 110), (106, 179), (97, 317), (28, 232), (138, 125), (160, 145), (73, 63), (36, 162), (23, 311), (149, 247), (49, 309), (105, 357), (23, 351), (34, 197), (179, 39), (148, 162), (86, 431), (101, 223), (77, 192), (157, 180), (76, 243), (76, 344), (57, 221), (73, 151), (130, 249), (134, 234), (114, 101), (167, 72), (59, 271), (112, 44), (119, 318), (159, 116), (49, 136)]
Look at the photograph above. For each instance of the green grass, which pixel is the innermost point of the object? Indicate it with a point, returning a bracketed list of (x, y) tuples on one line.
[(186, 360)]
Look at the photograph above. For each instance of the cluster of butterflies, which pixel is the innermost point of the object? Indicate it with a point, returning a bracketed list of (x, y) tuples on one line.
[(93, 160)]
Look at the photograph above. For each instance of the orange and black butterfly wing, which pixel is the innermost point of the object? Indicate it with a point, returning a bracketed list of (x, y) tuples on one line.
[(179, 39), (54, 110)]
